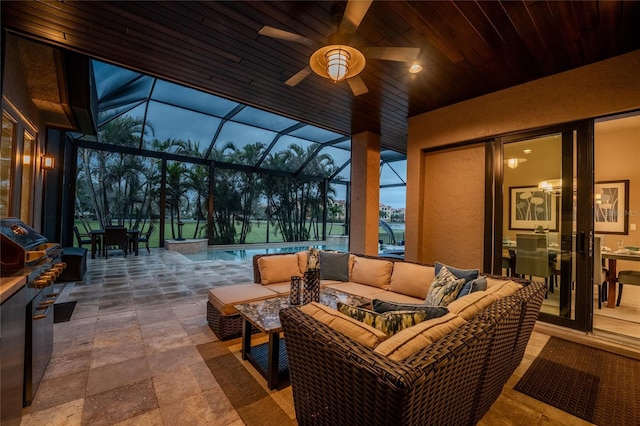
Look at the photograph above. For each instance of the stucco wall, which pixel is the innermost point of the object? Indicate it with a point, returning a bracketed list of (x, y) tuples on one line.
[(454, 188), (599, 89)]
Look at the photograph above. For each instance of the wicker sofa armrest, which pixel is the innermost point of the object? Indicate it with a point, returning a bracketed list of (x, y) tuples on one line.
[(338, 381)]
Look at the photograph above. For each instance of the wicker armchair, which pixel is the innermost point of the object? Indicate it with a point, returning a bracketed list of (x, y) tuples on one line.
[(337, 381)]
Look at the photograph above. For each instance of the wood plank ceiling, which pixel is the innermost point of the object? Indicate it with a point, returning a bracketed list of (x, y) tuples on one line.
[(468, 48)]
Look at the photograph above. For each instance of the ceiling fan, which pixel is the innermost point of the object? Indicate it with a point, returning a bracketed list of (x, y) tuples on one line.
[(337, 59)]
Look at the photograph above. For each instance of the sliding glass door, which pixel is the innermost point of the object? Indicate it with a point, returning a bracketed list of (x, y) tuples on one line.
[(544, 194)]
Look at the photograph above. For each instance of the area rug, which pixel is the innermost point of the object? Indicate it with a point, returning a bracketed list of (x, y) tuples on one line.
[(595, 385), (246, 389), (62, 311)]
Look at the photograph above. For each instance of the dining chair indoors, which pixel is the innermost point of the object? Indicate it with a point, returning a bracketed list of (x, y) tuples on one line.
[(115, 236), (532, 257), (627, 277), (600, 273)]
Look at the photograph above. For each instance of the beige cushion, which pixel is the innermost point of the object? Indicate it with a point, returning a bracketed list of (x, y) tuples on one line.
[(411, 279), (507, 288), (282, 289), (373, 272), (470, 305), (411, 340), (223, 298), (354, 329), (303, 257), (391, 296), (494, 281), (277, 269), (356, 289)]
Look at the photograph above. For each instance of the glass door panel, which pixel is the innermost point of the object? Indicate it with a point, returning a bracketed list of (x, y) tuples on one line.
[(541, 239)]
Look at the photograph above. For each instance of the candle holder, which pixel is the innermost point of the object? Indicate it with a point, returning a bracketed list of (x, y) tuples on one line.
[(294, 295), (311, 291)]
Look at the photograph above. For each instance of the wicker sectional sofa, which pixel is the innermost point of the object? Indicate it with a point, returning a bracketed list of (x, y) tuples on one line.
[(451, 380), (450, 372)]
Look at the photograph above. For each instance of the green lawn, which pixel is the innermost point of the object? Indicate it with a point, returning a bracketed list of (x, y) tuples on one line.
[(258, 232)]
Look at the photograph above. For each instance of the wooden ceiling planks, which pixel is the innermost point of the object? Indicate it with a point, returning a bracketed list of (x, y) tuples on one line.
[(468, 49)]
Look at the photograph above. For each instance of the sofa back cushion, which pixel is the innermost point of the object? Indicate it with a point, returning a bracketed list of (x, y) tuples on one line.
[(470, 305), (411, 279), (303, 258), (504, 289), (411, 340), (373, 272), (354, 329), (277, 269), (334, 266)]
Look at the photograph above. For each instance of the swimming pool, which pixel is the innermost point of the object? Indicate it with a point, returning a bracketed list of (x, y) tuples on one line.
[(246, 255)]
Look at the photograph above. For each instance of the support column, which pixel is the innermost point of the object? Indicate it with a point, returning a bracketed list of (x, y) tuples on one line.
[(365, 193)]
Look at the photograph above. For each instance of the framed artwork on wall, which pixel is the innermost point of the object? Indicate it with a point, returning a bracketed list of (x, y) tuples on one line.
[(611, 205), (531, 208)]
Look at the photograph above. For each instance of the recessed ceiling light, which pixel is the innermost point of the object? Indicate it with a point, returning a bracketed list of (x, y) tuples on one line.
[(415, 68)]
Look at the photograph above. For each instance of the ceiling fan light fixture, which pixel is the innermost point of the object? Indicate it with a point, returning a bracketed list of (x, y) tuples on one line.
[(337, 64), (415, 68)]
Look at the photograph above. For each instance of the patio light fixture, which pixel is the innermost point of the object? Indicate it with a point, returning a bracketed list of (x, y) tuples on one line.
[(337, 62)]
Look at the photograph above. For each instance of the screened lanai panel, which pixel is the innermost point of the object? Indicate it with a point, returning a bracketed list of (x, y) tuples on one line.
[(289, 154), (195, 100), (393, 173), (236, 143), (178, 126), (389, 155), (111, 113), (264, 119), (345, 174), (112, 81), (123, 130), (315, 134), (330, 158)]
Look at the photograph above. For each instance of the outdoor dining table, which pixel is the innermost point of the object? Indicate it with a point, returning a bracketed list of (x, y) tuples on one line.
[(97, 234), (613, 257)]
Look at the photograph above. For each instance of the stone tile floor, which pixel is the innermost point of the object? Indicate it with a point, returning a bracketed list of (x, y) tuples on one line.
[(128, 356)]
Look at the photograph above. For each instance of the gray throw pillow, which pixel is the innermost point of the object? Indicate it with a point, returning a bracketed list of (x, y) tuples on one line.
[(467, 274), (382, 306), (334, 266), (473, 285)]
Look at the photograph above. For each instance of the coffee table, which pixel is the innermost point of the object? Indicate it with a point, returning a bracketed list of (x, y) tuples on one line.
[(270, 359)]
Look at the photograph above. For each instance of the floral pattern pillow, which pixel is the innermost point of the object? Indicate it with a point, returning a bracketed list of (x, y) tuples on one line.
[(444, 288), (389, 322)]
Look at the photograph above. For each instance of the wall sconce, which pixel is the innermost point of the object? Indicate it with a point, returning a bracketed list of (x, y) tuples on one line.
[(48, 162), (26, 159)]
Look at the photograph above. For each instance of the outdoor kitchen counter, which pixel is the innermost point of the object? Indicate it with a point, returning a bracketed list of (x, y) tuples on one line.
[(10, 285)]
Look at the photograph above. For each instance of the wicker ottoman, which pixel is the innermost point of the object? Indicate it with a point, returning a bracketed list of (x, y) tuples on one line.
[(222, 317)]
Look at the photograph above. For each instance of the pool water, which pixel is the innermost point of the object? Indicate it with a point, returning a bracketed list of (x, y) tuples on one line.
[(247, 255)]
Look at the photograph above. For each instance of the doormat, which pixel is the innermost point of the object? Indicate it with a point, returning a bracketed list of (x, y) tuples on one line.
[(598, 386), (62, 311)]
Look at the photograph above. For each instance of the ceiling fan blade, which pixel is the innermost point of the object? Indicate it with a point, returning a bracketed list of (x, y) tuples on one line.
[(353, 15), (298, 77), (400, 54), (357, 85), (287, 36)]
